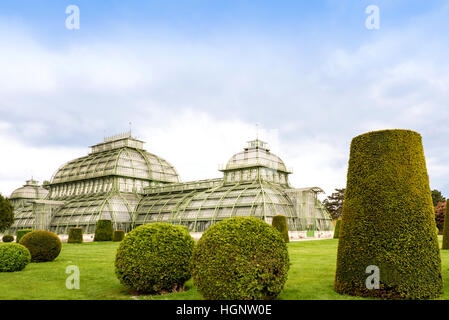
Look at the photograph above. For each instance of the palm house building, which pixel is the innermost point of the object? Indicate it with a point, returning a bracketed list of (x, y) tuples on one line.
[(120, 181)]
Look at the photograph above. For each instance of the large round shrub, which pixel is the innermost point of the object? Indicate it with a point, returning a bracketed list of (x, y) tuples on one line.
[(280, 223), (103, 230), (8, 238), (43, 245), (13, 257), (21, 233), (240, 258), (388, 220), (155, 258), (75, 235)]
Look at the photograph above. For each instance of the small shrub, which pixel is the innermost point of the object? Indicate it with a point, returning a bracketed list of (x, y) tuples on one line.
[(103, 230), (43, 245), (240, 258), (75, 235), (118, 235), (21, 233), (155, 258), (337, 229), (13, 257), (446, 229), (8, 238), (280, 223)]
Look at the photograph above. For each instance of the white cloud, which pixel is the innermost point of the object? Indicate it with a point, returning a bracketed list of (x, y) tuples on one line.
[(196, 104), (20, 162)]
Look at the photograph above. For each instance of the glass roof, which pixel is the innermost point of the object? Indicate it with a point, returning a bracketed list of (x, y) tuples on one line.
[(117, 157), (256, 154), (199, 208), (31, 190), (85, 211)]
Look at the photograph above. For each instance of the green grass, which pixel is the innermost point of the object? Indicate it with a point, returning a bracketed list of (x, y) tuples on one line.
[(311, 275)]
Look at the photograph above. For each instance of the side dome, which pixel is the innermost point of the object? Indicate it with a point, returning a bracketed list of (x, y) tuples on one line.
[(30, 191), (120, 157), (256, 154)]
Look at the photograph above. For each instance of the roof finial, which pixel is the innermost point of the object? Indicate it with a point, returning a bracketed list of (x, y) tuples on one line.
[(130, 128), (257, 131)]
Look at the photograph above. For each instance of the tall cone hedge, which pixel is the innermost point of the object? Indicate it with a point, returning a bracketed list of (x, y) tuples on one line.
[(337, 229), (388, 219), (446, 228)]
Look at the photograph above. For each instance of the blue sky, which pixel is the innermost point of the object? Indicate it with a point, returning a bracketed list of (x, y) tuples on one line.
[(309, 72)]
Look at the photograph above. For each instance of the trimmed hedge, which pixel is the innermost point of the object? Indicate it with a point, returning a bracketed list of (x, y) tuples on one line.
[(337, 229), (21, 233), (446, 228), (43, 245), (240, 258), (155, 258), (103, 230), (8, 238), (118, 235), (75, 235), (13, 257), (388, 219), (280, 223)]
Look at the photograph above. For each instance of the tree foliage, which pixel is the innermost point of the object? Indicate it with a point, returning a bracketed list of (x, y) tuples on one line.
[(334, 203), (440, 210), (6, 214), (437, 196)]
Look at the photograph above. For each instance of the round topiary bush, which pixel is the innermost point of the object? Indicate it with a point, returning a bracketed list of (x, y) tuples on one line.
[(337, 229), (280, 223), (389, 221), (13, 257), (240, 258), (43, 245), (8, 238), (103, 230), (21, 233), (75, 235), (155, 258), (118, 235)]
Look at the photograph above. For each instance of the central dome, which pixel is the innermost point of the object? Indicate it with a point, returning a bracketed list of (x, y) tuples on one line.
[(256, 154)]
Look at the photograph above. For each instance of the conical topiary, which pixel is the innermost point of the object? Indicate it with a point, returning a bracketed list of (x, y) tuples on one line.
[(337, 229), (103, 230), (280, 223), (446, 228), (389, 222)]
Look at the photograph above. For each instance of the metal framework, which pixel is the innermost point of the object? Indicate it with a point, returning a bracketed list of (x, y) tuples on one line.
[(122, 182)]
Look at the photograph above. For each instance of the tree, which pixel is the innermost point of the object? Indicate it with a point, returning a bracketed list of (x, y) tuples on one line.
[(440, 209), (446, 233), (334, 203), (437, 196), (6, 214)]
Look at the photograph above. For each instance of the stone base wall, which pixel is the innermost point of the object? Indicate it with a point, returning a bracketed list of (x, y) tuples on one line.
[(293, 235)]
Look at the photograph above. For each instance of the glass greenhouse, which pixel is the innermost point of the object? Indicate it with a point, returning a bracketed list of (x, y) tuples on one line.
[(120, 181)]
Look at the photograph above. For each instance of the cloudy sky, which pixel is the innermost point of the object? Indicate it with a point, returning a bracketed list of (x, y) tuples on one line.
[(195, 76)]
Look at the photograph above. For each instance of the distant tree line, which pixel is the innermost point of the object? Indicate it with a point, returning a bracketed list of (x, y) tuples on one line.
[(334, 204)]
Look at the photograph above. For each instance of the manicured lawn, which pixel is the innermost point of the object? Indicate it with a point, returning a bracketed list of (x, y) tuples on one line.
[(311, 275)]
